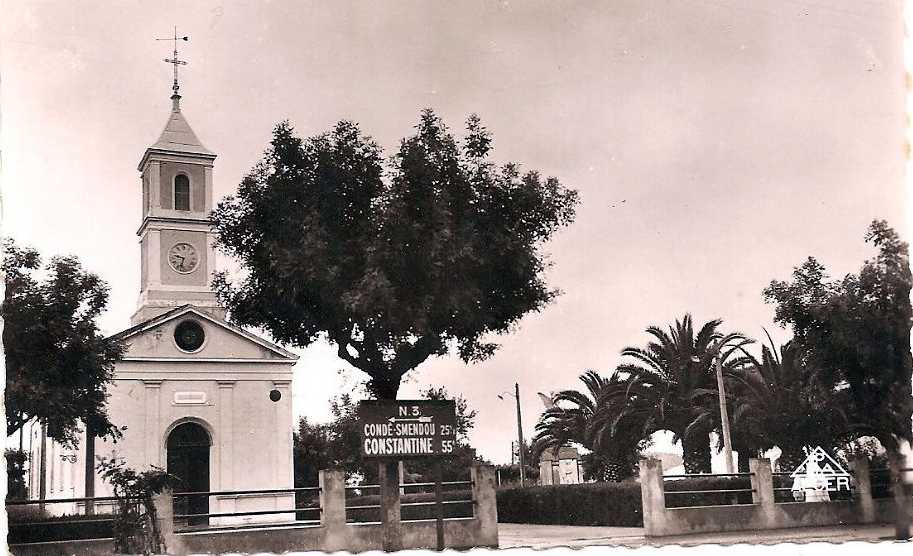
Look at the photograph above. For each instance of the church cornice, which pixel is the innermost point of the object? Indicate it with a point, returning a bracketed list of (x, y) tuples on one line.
[(164, 155), (284, 355), (207, 360), (204, 223)]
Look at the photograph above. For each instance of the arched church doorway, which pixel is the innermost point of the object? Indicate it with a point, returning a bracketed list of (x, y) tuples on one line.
[(188, 461)]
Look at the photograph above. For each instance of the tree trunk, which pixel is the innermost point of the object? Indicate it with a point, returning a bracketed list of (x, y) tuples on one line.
[(696, 453), (42, 467), (614, 469), (90, 471), (744, 453), (383, 386)]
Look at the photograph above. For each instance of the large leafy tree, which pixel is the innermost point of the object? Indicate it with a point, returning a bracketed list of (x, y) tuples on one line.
[(856, 330), (587, 418), (395, 260), (671, 380), (58, 364)]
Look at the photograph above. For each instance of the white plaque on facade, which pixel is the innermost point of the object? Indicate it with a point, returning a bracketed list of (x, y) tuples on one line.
[(189, 398)]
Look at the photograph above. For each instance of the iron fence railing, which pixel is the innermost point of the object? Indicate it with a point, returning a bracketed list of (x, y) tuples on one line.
[(706, 475), (86, 518), (263, 491), (196, 520), (707, 489), (363, 501)]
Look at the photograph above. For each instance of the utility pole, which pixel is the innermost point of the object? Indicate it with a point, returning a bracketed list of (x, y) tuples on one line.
[(724, 413), (520, 435)]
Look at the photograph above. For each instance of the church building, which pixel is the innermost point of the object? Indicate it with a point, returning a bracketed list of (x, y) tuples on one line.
[(200, 397)]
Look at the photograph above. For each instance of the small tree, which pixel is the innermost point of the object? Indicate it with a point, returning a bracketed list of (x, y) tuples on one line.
[(136, 525), (15, 474), (393, 262), (311, 452), (58, 364)]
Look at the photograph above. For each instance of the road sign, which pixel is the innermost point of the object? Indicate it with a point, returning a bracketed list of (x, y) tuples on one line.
[(820, 472), (407, 428)]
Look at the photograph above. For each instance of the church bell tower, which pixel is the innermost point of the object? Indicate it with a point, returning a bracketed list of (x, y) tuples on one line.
[(176, 242)]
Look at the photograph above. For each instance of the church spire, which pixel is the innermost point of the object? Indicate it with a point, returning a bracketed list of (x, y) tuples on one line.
[(175, 61)]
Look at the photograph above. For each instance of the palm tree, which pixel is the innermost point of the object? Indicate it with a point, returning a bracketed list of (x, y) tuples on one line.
[(669, 381), (614, 453), (782, 400)]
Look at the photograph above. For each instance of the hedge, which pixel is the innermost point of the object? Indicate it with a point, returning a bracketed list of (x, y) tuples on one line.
[(29, 525), (607, 504)]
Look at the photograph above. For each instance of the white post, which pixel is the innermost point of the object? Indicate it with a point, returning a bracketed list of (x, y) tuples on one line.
[(724, 414)]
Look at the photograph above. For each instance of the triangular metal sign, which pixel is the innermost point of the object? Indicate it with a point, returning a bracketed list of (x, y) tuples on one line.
[(821, 463)]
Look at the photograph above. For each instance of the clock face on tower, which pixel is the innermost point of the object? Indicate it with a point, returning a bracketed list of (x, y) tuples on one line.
[(183, 258)]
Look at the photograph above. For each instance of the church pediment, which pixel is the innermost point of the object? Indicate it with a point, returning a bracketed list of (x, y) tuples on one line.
[(188, 333)]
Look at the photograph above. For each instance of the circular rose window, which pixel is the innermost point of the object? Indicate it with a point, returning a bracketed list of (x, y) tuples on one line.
[(189, 336)]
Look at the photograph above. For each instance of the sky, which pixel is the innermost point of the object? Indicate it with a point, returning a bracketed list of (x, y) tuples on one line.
[(715, 144)]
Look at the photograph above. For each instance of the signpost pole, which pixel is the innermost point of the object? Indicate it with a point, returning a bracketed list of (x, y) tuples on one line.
[(388, 475), (439, 502), (393, 430)]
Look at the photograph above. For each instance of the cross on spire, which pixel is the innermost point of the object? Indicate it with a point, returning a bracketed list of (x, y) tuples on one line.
[(175, 61)]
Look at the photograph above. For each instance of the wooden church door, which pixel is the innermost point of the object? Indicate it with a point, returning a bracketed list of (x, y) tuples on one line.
[(188, 460)]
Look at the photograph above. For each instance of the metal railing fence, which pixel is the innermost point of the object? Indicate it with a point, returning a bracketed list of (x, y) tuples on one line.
[(719, 492)]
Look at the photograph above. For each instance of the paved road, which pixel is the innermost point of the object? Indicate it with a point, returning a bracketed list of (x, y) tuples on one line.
[(512, 535)]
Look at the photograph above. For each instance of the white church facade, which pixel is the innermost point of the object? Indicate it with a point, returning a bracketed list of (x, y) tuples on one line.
[(204, 399)]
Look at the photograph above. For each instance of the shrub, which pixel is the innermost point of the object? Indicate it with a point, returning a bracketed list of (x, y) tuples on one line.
[(136, 525), (15, 474)]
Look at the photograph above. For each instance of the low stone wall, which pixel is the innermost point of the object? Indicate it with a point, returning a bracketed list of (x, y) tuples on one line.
[(459, 533), (763, 513), (332, 534)]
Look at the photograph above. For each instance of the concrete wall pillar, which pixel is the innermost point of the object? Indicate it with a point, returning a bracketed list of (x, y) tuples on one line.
[(762, 494), (164, 509), (486, 504), (903, 513), (653, 496), (860, 468), (333, 511), (545, 472)]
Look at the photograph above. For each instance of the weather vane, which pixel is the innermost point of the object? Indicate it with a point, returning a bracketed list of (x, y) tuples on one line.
[(175, 61)]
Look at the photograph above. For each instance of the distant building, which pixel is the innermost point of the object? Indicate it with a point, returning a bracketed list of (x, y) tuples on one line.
[(561, 468), (204, 399)]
